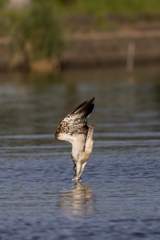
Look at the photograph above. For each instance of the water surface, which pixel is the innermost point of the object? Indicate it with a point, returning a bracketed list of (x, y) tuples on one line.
[(119, 197)]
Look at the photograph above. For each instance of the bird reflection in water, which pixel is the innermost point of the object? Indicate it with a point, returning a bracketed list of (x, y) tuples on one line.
[(78, 200)]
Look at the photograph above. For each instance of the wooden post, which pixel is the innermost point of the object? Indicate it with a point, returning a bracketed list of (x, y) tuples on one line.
[(130, 57)]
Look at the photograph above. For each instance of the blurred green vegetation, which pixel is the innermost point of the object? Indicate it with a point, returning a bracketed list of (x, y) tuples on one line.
[(34, 31), (107, 6), (37, 30), (2, 3), (105, 14)]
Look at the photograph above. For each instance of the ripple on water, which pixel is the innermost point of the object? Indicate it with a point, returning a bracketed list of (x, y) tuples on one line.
[(118, 197)]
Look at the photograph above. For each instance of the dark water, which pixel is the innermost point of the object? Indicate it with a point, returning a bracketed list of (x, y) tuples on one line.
[(119, 197)]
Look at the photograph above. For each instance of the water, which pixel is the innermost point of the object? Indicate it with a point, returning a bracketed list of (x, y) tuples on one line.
[(119, 197)]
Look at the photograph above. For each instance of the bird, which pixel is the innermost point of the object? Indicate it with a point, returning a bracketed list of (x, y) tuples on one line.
[(74, 129)]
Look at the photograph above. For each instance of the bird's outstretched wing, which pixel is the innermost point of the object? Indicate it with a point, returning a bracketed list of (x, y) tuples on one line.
[(75, 123)]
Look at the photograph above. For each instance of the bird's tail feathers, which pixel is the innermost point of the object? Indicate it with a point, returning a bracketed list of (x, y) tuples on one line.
[(89, 140), (90, 131)]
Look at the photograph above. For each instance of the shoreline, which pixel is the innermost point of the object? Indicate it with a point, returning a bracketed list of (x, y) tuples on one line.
[(111, 49), (91, 50)]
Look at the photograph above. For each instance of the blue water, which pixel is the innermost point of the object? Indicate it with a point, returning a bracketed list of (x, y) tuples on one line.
[(119, 197)]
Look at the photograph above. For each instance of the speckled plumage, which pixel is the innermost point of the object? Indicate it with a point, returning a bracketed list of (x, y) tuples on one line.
[(74, 129)]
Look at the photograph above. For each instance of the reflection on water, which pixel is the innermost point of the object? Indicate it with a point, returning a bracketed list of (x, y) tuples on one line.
[(77, 200)]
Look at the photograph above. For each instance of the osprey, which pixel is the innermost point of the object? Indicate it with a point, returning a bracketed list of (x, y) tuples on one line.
[(74, 129)]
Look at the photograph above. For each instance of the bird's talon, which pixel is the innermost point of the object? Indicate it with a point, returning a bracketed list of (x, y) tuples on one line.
[(75, 179)]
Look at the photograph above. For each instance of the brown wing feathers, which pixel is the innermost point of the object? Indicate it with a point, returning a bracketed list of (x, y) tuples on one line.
[(85, 108), (79, 106), (80, 114)]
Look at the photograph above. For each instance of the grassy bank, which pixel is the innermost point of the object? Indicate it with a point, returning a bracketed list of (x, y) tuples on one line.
[(34, 32), (107, 6), (37, 32), (105, 15), (70, 14)]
